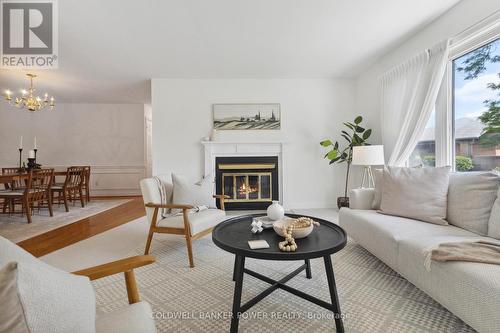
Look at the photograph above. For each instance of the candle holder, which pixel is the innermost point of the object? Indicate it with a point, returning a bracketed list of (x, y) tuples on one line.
[(31, 164), (20, 158)]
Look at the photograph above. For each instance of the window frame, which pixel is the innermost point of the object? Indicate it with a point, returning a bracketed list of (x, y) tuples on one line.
[(482, 33)]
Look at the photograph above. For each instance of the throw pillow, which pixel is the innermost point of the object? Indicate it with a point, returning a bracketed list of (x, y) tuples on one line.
[(417, 193), (52, 300), (196, 194), (378, 174), (470, 198), (494, 223), (12, 314)]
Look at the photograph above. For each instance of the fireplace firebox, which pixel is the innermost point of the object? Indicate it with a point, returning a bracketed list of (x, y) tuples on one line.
[(251, 183)]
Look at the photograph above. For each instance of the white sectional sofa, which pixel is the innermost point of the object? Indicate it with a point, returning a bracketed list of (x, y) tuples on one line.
[(469, 290)]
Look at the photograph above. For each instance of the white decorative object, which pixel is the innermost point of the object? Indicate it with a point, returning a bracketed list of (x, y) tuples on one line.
[(258, 244), (257, 227), (368, 156), (266, 221), (275, 211), (214, 135)]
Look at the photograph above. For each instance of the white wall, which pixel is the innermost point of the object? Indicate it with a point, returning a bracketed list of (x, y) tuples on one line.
[(311, 109), (465, 14), (109, 137)]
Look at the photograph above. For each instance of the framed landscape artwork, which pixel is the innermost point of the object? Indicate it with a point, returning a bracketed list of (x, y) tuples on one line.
[(247, 116)]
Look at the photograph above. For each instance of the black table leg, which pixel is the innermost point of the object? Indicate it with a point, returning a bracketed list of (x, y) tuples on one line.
[(234, 268), (333, 294), (238, 275), (308, 269)]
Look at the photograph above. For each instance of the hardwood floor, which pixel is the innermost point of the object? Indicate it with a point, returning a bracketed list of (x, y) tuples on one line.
[(85, 228)]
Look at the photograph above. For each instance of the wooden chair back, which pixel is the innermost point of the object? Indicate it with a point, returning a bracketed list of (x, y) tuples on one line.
[(74, 177), (15, 184), (40, 184)]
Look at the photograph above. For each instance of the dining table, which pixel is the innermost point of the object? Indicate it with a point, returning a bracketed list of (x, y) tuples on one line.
[(12, 177)]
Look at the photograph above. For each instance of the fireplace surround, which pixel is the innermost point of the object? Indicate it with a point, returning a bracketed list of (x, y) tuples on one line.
[(250, 182), (218, 149)]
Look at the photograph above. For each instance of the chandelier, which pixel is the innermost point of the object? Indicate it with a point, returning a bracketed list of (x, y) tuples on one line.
[(28, 100)]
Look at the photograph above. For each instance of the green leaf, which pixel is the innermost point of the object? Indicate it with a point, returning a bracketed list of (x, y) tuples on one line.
[(346, 137), (356, 139), (326, 143), (358, 120), (336, 146), (360, 129), (351, 126), (334, 160), (332, 154), (367, 134), (344, 132)]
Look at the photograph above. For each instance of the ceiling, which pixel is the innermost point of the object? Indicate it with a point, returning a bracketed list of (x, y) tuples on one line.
[(108, 50)]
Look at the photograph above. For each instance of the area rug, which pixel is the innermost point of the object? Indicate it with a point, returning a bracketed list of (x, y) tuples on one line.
[(373, 297), (16, 228)]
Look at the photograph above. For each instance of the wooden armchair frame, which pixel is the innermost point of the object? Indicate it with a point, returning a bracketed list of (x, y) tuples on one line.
[(186, 231), (125, 266)]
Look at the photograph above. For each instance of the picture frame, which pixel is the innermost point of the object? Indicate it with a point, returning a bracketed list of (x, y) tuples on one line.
[(247, 116)]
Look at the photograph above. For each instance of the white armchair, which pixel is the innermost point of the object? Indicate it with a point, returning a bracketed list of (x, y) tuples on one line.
[(39, 298), (193, 225)]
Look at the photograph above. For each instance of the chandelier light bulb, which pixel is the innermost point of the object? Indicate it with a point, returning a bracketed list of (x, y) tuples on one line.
[(28, 100)]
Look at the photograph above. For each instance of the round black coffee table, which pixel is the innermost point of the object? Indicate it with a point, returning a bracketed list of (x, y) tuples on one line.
[(233, 235)]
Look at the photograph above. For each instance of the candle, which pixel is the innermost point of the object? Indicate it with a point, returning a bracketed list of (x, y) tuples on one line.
[(31, 154), (34, 145), (21, 142)]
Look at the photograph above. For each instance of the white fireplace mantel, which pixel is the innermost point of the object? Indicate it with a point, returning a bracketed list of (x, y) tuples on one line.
[(215, 149)]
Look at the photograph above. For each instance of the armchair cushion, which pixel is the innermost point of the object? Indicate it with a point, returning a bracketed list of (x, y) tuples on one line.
[(52, 300), (150, 192), (198, 221), (187, 193), (131, 319)]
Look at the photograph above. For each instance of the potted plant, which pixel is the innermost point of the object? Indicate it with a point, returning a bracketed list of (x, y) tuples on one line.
[(355, 135)]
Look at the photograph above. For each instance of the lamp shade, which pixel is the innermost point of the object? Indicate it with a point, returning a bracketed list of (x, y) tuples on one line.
[(368, 155)]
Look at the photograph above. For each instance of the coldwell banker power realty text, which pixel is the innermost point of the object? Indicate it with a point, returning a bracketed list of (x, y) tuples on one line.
[(29, 36)]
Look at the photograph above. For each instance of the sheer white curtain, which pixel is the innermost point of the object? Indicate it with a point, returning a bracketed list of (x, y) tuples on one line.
[(409, 93)]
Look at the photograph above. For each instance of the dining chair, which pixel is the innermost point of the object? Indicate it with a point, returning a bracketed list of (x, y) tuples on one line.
[(85, 181), (71, 188), (8, 204), (37, 190)]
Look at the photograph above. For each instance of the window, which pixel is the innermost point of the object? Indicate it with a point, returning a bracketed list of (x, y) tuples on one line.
[(476, 109), (424, 154)]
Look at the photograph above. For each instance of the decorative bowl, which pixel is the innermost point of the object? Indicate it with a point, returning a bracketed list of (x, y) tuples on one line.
[(297, 233)]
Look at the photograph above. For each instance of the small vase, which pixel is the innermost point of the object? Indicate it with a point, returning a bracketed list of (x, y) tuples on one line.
[(275, 211), (342, 202)]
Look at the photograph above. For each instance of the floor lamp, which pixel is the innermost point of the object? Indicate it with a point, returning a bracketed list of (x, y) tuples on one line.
[(368, 156)]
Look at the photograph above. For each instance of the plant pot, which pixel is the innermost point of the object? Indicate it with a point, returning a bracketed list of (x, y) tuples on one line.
[(342, 202)]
